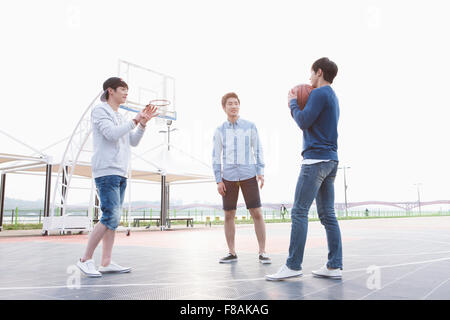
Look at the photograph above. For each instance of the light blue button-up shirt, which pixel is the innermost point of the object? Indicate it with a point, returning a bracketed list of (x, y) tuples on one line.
[(237, 151)]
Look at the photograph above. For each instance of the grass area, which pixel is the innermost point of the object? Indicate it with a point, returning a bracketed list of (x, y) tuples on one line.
[(22, 226)]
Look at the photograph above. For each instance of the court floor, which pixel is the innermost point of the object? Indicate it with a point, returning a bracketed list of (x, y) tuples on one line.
[(383, 259)]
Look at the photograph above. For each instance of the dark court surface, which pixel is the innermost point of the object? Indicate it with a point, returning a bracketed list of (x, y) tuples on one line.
[(383, 259)]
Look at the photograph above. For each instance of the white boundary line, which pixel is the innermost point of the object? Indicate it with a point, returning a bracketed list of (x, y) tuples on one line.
[(391, 282), (435, 288), (130, 284), (211, 282), (400, 264)]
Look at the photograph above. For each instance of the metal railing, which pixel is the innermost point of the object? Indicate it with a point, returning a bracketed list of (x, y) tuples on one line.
[(35, 216)]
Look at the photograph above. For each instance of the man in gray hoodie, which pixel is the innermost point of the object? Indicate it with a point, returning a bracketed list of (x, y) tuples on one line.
[(112, 137)]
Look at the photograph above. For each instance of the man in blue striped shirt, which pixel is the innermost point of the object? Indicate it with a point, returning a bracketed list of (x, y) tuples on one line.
[(238, 163)]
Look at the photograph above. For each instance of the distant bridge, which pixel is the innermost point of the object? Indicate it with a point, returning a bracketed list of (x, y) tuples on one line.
[(407, 206)]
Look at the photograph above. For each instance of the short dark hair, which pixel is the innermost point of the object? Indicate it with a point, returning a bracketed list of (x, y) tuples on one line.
[(329, 68), (228, 96), (113, 83)]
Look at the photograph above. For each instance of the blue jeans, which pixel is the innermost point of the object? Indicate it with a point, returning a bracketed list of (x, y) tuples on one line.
[(111, 190), (316, 181)]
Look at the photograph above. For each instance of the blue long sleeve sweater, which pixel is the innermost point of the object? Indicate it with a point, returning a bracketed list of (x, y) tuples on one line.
[(319, 121)]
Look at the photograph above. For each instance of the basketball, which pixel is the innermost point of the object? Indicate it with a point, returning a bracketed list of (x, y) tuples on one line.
[(303, 91)]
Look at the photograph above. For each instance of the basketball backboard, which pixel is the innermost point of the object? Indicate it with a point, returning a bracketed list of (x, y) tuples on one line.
[(145, 85)]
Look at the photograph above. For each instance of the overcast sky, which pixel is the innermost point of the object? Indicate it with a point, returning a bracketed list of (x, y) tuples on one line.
[(392, 84)]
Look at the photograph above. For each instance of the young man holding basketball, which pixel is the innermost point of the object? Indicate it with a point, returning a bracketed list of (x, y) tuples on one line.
[(319, 121), (112, 137), (238, 163)]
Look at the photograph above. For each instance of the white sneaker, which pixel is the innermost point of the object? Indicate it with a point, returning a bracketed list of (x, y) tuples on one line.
[(114, 267), (88, 268), (283, 273), (324, 272)]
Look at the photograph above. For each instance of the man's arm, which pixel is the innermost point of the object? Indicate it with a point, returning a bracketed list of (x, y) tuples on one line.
[(314, 106), (257, 151), (108, 129), (217, 155), (136, 136), (144, 117)]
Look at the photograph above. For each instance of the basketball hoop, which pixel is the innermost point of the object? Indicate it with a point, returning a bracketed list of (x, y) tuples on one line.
[(148, 87), (162, 105), (159, 102)]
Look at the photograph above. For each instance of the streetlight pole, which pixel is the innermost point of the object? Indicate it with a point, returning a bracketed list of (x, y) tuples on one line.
[(345, 189), (165, 186), (169, 123), (418, 196)]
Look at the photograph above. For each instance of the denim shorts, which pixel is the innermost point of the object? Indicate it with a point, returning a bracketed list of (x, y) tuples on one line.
[(111, 191)]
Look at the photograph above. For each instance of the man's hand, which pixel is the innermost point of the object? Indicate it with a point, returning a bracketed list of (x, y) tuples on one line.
[(147, 114), (221, 188), (260, 179), (292, 94), (138, 117)]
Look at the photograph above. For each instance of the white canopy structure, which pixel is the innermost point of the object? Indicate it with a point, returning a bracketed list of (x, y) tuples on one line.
[(17, 162), (174, 167), (165, 164)]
